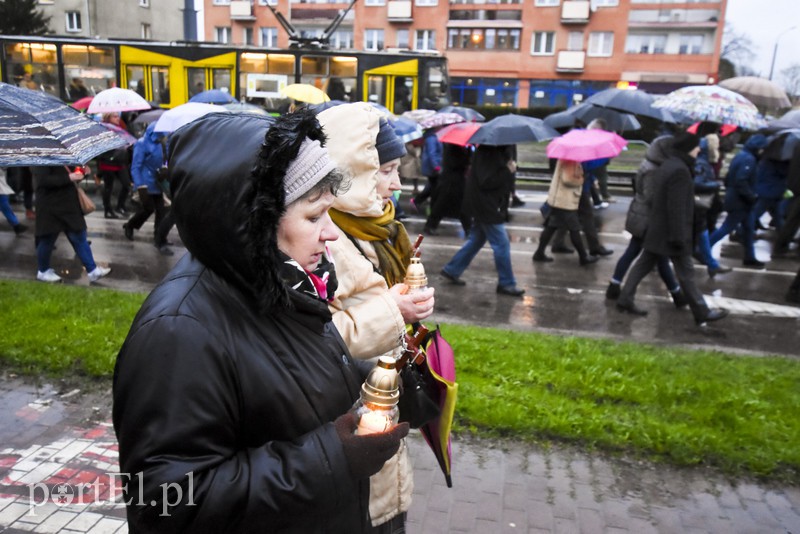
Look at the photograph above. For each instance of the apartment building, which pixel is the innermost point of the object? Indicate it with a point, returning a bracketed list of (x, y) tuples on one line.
[(520, 53), (159, 20)]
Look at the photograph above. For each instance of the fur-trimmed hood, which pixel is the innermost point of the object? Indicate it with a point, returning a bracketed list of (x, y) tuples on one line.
[(226, 174), (352, 130)]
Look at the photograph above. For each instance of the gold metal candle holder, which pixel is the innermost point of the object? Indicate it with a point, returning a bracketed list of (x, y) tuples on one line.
[(415, 275)]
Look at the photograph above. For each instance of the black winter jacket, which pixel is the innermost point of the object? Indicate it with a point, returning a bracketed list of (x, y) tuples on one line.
[(489, 185), (57, 206), (228, 382), (670, 222)]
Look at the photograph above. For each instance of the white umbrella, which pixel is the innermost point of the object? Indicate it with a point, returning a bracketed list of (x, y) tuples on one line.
[(759, 91), (176, 117), (116, 100)]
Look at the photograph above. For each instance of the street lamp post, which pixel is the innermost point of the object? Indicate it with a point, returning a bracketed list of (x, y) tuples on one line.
[(775, 50)]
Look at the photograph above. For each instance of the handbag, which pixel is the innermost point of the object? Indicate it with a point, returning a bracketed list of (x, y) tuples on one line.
[(87, 206)]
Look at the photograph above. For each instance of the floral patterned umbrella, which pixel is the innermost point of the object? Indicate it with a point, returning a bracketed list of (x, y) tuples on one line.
[(712, 103), (441, 119)]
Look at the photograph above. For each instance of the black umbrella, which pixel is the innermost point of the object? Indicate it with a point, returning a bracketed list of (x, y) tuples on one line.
[(631, 101), (37, 129), (469, 114), (615, 120), (512, 129), (790, 119), (783, 144)]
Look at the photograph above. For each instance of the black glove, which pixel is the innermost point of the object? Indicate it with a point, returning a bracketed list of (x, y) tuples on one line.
[(367, 454)]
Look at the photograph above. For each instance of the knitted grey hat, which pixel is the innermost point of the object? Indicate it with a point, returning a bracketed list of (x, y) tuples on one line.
[(388, 145), (310, 166)]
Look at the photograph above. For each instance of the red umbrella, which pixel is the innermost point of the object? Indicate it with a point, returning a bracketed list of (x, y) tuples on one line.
[(82, 103), (586, 145), (458, 134), (725, 130)]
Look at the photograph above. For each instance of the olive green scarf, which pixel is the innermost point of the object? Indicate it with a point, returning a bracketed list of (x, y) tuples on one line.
[(389, 237)]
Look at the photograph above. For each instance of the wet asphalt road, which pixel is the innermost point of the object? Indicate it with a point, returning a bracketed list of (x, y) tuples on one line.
[(560, 297)]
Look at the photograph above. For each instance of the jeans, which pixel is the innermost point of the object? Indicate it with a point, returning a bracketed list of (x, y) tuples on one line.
[(5, 207), (501, 247), (704, 248), (631, 253), (733, 220), (44, 249)]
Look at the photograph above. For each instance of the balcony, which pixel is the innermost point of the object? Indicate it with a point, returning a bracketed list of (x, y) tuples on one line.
[(570, 61), (399, 11), (674, 18), (242, 10), (575, 11)]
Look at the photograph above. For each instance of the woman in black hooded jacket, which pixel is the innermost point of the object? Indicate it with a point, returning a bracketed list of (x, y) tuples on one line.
[(232, 390)]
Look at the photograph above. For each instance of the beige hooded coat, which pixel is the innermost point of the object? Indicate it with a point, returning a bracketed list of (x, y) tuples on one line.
[(365, 314)]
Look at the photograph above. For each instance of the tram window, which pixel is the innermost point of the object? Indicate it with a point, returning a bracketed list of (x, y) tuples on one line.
[(33, 66), (314, 66), (134, 74), (93, 66), (222, 79), (344, 66), (160, 79), (280, 64), (403, 92), (436, 87), (196, 78), (376, 89)]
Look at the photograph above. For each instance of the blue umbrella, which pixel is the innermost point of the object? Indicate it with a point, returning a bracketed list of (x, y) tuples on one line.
[(213, 96), (38, 129), (406, 129)]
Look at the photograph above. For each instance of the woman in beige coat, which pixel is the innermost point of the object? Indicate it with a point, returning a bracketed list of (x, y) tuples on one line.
[(371, 305), (564, 198)]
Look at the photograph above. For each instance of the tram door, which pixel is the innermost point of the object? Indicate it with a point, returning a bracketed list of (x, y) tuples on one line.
[(393, 86), (199, 79)]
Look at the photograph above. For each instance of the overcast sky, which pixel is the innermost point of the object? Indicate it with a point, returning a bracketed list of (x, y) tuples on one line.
[(764, 21)]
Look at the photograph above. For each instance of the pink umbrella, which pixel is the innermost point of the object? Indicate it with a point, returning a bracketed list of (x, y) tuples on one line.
[(586, 145), (441, 119)]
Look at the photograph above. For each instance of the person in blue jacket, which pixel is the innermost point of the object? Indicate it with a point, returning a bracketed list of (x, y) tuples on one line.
[(771, 185), (148, 158), (740, 198), (431, 166)]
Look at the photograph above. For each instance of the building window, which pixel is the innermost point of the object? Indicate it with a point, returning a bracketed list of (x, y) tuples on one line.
[(691, 44), (402, 38), (425, 40), (426, 2), (483, 39), (342, 40), (268, 2), (221, 2), (268, 37), (147, 32), (247, 36), (544, 3), (604, 3), (373, 39), (601, 44), (73, 21), (375, 3), (543, 43), (575, 41), (144, 3), (484, 91), (646, 44), (222, 34)]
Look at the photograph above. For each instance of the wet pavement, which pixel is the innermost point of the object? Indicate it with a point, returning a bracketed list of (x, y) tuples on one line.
[(60, 435)]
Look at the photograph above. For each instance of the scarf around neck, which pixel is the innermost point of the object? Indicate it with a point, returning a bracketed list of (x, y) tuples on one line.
[(320, 283), (388, 237)]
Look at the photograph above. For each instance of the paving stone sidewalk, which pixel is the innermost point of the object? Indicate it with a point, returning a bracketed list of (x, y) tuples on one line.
[(60, 439)]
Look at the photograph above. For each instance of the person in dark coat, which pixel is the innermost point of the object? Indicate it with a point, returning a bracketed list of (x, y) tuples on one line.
[(792, 221), (58, 210), (740, 198), (449, 198), (771, 184), (486, 199), (233, 388), (431, 159), (636, 223), (670, 231)]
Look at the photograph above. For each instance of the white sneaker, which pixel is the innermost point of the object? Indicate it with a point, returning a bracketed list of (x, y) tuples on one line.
[(49, 276), (98, 273), (601, 206)]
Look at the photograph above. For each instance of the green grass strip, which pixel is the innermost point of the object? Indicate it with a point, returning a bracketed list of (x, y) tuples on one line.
[(735, 413)]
